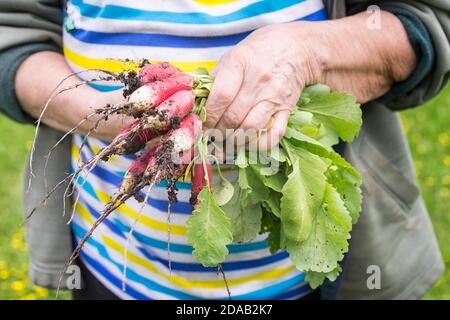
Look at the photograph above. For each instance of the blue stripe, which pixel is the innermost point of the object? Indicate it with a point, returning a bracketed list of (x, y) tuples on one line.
[(111, 278), (273, 290), (304, 288), (104, 88), (110, 11), (155, 40), (264, 293), (171, 41), (86, 187), (120, 229)]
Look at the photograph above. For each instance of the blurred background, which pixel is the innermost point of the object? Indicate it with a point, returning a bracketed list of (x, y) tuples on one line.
[(427, 128)]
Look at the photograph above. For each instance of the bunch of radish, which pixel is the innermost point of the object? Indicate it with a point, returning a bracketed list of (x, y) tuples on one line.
[(168, 124), (169, 108)]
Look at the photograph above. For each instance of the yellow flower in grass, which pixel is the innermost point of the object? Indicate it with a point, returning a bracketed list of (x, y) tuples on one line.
[(443, 192), (446, 180), (430, 181), (18, 286), (3, 265), (18, 240), (4, 274), (416, 137), (444, 138), (446, 161), (40, 292), (422, 149), (29, 296)]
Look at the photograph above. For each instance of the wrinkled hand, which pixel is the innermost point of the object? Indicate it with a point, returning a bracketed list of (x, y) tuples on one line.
[(258, 82)]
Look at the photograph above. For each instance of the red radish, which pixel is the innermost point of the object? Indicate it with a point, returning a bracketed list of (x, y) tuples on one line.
[(175, 144), (169, 113), (130, 140), (137, 138), (198, 180), (152, 94), (157, 72), (133, 176)]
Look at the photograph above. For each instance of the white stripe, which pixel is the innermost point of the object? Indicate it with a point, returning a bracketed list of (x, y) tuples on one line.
[(200, 30)]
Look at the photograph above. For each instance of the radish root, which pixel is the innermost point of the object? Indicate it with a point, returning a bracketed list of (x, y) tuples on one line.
[(52, 96)]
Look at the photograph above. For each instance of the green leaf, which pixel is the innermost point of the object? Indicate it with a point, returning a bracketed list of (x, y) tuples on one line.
[(273, 240), (347, 183), (344, 178), (302, 193), (267, 219), (222, 192), (250, 182), (337, 111), (245, 222), (328, 240), (315, 279), (272, 203), (316, 89), (208, 231), (275, 181), (300, 140), (271, 224)]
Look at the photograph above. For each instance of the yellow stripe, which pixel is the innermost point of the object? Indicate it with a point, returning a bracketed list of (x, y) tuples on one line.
[(144, 220), (202, 284), (75, 152), (121, 65), (213, 2), (84, 213), (96, 149)]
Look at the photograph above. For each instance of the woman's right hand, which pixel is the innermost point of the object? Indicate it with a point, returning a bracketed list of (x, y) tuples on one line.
[(36, 79)]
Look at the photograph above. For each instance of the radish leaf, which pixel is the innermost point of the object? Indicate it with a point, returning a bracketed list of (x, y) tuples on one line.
[(208, 231), (245, 223)]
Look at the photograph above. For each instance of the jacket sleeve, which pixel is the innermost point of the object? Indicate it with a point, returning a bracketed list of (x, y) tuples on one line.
[(427, 23), (26, 27)]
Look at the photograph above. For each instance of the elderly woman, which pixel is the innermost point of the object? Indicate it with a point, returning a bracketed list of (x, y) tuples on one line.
[(263, 53)]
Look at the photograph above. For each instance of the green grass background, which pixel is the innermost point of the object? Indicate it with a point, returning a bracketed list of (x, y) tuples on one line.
[(427, 128)]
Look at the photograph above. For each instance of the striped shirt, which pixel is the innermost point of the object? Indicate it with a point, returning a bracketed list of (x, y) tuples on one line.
[(102, 34)]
